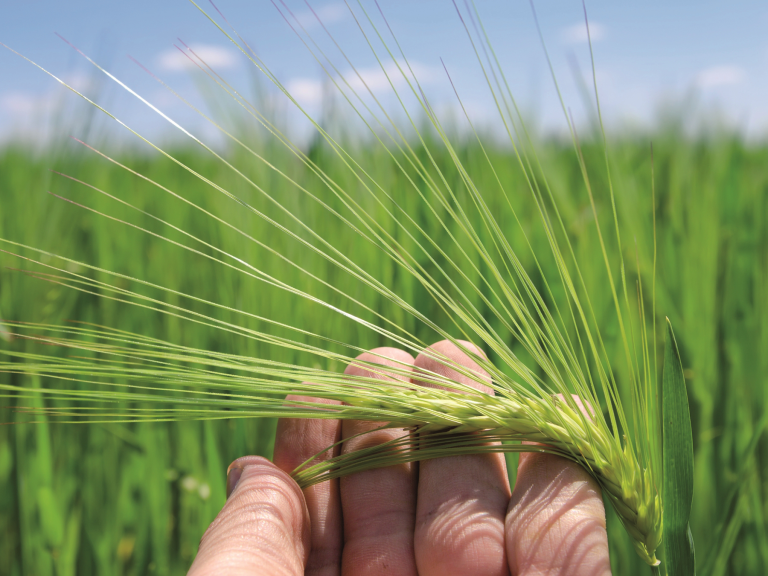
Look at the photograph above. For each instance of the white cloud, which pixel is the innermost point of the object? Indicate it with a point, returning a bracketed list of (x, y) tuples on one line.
[(720, 76), (26, 116), (217, 57), (328, 14), (81, 81), (19, 103), (24, 106), (310, 90), (306, 90), (376, 79), (577, 34)]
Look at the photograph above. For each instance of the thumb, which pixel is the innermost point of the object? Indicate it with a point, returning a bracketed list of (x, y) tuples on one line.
[(262, 529)]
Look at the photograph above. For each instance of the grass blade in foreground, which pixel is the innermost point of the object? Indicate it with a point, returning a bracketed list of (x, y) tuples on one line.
[(677, 456)]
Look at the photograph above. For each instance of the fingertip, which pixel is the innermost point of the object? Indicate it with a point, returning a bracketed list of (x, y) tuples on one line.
[(446, 345), (264, 524), (385, 356), (439, 358)]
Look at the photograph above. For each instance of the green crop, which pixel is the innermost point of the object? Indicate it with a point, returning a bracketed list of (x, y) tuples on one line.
[(206, 286)]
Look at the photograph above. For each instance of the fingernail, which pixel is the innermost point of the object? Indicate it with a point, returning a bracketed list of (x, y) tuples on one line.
[(233, 477)]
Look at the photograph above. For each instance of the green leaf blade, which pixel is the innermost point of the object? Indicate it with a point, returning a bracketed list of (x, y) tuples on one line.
[(677, 485)]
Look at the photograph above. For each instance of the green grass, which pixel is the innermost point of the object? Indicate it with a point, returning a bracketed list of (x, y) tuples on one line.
[(135, 498)]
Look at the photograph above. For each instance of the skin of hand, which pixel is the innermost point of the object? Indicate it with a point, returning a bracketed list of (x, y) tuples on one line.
[(449, 516)]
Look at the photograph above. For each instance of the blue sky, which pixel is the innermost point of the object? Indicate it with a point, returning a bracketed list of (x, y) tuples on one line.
[(708, 59)]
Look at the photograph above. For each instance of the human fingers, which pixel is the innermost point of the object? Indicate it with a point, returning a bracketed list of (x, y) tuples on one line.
[(378, 505), (462, 500), (298, 440), (262, 529), (556, 519)]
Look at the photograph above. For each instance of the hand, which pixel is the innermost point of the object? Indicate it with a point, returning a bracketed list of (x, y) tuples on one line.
[(452, 515)]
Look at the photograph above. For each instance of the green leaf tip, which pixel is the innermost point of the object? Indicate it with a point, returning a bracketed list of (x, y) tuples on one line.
[(677, 454)]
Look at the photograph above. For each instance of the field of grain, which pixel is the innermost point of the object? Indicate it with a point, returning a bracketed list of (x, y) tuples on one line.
[(126, 498)]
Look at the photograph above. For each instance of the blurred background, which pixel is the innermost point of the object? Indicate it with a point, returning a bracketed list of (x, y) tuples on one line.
[(689, 78), (701, 60)]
